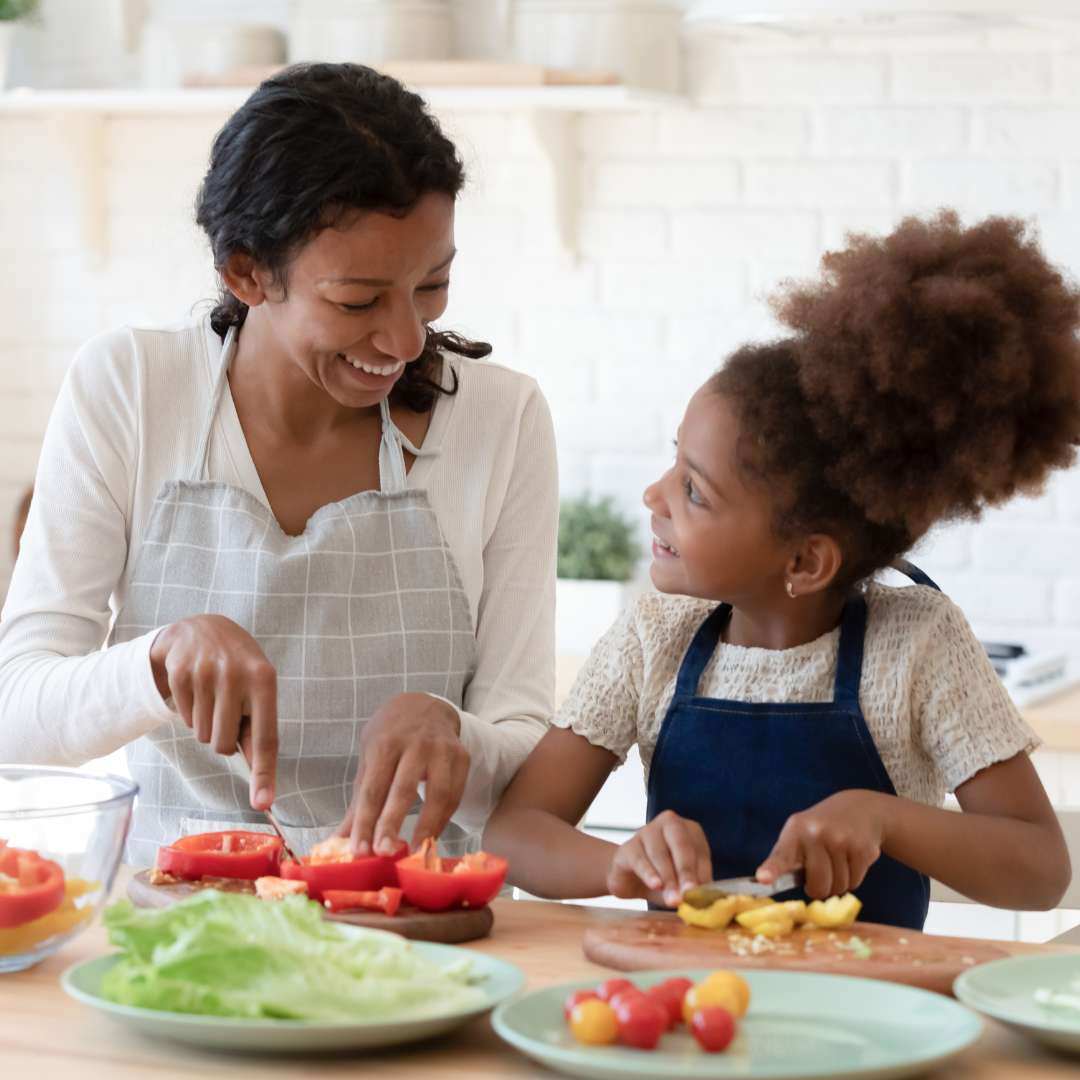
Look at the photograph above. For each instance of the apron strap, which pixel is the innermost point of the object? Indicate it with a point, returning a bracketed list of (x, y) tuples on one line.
[(849, 656), (392, 474), (700, 651), (910, 570), (202, 447)]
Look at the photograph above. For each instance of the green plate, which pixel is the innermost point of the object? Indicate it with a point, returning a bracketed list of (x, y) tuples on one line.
[(1006, 989), (800, 1026), (496, 978)]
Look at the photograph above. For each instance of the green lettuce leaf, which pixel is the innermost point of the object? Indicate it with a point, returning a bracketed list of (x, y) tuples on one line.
[(225, 954)]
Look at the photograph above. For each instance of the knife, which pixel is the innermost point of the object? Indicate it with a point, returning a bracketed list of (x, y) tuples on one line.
[(703, 896)]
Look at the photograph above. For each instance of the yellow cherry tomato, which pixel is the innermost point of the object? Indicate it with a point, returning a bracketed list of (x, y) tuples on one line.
[(593, 1023), (734, 983), (706, 993)]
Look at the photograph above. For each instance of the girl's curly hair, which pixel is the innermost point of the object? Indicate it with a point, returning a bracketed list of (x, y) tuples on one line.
[(932, 373), (312, 145)]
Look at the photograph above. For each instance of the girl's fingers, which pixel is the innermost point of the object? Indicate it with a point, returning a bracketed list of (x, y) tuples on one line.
[(819, 871), (841, 872), (636, 858), (786, 855), (655, 843), (686, 842)]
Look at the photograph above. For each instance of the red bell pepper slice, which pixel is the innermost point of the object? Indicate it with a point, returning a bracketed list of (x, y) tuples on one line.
[(387, 900), (233, 854), (434, 884), (373, 872), (30, 886)]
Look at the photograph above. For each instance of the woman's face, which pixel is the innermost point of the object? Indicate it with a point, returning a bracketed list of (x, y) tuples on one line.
[(712, 535), (359, 298)]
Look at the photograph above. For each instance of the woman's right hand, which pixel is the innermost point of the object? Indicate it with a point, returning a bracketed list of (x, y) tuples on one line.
[(661, 861), (218, 677)]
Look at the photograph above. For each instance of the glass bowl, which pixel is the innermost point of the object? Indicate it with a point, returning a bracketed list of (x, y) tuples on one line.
[(76, 819)]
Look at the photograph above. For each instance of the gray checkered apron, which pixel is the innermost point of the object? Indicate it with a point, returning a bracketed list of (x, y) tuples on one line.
[(366, 603)]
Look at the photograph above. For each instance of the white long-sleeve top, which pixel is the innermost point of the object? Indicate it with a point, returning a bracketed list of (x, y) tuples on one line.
[(127, 420)]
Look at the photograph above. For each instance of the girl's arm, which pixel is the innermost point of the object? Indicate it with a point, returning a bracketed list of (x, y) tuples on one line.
[(534, 825), (1006, 849)]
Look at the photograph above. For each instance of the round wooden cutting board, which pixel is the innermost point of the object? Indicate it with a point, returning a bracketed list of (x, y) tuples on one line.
[(662, 940), (445, 927)]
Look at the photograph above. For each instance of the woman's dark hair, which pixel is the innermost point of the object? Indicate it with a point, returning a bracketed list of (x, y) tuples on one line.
[(313, 144), (932, 373)]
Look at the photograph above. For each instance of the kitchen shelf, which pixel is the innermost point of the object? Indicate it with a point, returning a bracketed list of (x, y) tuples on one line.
[(460, 98)]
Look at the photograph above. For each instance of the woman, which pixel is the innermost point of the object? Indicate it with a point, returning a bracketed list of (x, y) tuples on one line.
[(319, 528)]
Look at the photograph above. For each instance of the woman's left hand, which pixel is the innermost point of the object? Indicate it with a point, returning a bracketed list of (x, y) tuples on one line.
[(834, 842), (412, 738)]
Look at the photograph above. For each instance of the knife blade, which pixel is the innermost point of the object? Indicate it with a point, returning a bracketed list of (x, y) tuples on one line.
[(246, 765), (703, 896)]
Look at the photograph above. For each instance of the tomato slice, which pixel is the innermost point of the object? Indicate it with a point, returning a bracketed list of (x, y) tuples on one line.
[(373, 872), (30, 886), (470, 882), (233, 854), (387, 900)]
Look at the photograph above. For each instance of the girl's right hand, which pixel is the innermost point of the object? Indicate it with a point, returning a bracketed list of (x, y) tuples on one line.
[(218, 677), (661, 861)]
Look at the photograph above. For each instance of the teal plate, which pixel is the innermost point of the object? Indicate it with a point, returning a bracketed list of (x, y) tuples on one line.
[(1006, 989), (800, 1026), (497, 979)]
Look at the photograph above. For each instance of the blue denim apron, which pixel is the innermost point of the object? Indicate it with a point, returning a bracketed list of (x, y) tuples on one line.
[(742, 769)]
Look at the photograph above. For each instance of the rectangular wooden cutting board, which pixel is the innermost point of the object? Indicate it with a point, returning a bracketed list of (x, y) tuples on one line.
[(661, 940), (446, 927)]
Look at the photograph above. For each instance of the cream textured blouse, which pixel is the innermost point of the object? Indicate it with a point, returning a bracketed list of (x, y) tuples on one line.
[(934, 705)]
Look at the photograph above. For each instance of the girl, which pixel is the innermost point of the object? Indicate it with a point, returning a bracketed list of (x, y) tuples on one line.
[(816, 718)]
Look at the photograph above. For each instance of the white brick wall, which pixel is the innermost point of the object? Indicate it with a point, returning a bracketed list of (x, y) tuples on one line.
[(688, 216)]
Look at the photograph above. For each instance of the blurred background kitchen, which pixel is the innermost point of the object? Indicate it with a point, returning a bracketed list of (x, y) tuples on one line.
[(642, 173)]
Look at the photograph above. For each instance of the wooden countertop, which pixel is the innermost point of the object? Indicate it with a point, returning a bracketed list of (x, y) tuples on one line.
[(44, 1034)]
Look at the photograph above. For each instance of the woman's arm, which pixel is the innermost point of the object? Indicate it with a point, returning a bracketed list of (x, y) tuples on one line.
[(534, 824), (510, 699), (63, 699)]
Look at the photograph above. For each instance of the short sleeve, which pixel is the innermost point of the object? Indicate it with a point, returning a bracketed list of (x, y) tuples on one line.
[(966, 720), (603, 703)]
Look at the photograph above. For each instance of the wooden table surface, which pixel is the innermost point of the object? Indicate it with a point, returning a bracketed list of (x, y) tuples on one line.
[(44, 1034)]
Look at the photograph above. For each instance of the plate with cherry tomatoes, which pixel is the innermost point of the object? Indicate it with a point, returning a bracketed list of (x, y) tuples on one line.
[(779, 1025)]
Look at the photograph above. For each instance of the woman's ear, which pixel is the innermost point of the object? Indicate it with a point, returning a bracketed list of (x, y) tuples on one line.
[(244, 279), (814, 566)]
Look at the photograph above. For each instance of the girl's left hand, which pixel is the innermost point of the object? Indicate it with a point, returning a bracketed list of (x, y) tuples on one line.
[(410, 738), (834, 842)]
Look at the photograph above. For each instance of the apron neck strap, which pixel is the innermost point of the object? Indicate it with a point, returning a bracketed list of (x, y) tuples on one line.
[(202, 447), (700, 651), (909, 569), (849, 656)]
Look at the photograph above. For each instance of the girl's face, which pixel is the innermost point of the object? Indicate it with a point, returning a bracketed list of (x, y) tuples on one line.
[(359, 299), (712, 535)]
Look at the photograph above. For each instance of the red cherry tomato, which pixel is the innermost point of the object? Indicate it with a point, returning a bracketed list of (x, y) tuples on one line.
[(713, 1027), (670, 994), (641, 1020), (575, 998), (609, 988)]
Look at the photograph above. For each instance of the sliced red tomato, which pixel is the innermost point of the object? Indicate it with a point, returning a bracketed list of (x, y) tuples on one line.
[(373, 872), (233, 854), (30, 886), (441, 884), (387, 900)]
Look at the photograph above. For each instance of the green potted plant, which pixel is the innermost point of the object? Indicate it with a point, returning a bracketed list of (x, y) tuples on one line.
[(10, 10), (598, 553)]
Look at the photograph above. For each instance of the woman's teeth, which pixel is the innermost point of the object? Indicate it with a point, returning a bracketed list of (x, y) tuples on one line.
[(373, 369), (666, 547)]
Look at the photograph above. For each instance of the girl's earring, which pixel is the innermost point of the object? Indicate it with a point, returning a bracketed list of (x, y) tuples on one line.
[(791, 589)]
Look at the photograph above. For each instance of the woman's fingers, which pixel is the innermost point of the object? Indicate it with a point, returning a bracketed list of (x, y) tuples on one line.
[(262, 707), (400, 799), (377, 770), (203, 681), (444, 785), (228, 711)]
